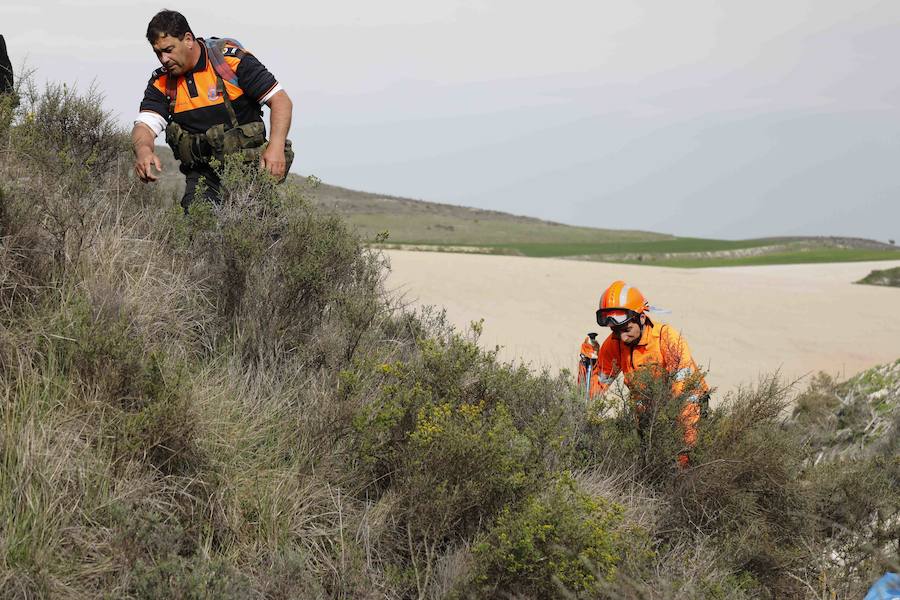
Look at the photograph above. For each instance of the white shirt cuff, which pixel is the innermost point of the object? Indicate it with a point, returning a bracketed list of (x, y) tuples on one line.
[(272, 92), (152, 120)]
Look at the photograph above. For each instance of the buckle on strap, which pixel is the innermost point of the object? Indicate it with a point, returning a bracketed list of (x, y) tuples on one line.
[(200, 146)]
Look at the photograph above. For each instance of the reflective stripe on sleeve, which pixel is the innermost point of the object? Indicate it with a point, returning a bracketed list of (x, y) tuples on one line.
[(682, 374)]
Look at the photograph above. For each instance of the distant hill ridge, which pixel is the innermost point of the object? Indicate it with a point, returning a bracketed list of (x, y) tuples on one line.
[(424, 225), (423, 222)]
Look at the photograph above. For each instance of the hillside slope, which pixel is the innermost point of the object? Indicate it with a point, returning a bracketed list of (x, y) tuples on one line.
[(228, 405), (855, 417), (421, 225), (420, 222)]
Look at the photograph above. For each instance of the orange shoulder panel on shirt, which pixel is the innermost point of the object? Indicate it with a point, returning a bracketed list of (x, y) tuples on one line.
[(233, 62), (160, 83), (207, 93)]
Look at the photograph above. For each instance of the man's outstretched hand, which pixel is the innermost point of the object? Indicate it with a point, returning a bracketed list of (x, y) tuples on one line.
[(144, 163), (273, 161)]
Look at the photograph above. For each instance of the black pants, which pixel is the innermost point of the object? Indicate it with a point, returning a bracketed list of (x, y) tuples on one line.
[(212, 185), (6, 72)]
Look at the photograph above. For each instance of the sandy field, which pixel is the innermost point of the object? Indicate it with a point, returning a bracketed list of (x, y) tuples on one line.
[(740, 322)]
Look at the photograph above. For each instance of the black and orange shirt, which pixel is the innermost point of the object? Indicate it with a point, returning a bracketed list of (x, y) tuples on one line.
[(198, 104)]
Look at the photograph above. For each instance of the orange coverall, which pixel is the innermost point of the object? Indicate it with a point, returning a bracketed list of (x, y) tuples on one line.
[(660, 346)]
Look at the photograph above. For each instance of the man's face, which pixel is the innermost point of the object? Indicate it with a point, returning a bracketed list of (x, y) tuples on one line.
[(175, 55), (630, 332)]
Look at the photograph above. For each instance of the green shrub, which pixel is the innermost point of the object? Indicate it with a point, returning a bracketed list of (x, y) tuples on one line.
[(743, 488), (889, 277), (196, 578), (62, 170), (644, 433), (853, 474), (462, 464), (857, 503), (562, 539), (442, 372), (68, 134), (278, 270), (450, 372), (147, 403), (850, 419), (162, 431), (8, 104), (451, 436), (288, 577)]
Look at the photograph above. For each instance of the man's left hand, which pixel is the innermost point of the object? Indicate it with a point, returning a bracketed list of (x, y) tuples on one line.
[(273, 161)]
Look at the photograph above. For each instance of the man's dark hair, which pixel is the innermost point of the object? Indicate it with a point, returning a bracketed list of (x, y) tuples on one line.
[(167, 22)]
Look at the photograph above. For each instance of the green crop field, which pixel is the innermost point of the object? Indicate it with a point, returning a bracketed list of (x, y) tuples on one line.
[(818, 255), (673, 245), (682, 253), (507, 231)]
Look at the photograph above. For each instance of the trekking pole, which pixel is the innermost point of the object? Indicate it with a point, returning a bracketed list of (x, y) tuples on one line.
[(587, 382), (589, 362)]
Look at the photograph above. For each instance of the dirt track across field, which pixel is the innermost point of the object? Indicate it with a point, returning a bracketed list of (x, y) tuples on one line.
[(741, 322)]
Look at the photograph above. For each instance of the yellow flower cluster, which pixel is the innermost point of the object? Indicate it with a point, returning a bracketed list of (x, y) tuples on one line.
[(471, 412), (433, 420)]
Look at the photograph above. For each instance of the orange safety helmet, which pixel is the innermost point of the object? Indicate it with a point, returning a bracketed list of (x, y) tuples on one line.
[(620, 304)]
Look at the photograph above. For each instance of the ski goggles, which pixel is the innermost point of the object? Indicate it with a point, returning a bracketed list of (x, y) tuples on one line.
[(615, 318)]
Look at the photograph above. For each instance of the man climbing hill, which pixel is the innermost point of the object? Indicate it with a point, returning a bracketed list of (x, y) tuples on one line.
[(208, 96)]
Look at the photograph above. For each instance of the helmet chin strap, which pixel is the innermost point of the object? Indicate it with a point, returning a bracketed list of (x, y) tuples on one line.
[(641, 320)]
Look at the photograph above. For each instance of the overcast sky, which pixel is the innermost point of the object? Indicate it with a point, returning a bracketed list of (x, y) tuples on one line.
[(712, 118)]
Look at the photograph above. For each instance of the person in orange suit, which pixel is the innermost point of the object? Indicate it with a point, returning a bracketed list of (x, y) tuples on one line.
[(638, 343)]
